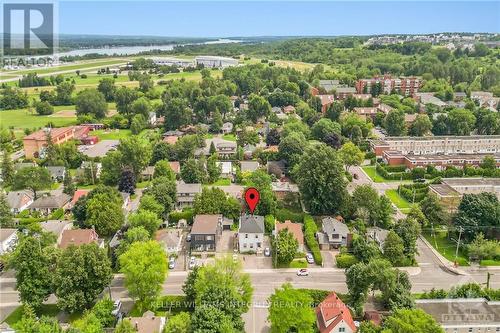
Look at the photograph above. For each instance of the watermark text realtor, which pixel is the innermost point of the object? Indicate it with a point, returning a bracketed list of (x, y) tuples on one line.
[(28, 29)]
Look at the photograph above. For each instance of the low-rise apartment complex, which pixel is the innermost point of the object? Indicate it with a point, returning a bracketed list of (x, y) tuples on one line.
[(407, 86), (411, 161), (438, 145)]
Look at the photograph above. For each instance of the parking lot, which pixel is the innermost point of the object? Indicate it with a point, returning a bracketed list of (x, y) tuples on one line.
[(100, 149)]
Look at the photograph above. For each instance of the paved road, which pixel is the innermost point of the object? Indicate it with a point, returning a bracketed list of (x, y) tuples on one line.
[(62, 71), (266, 280)]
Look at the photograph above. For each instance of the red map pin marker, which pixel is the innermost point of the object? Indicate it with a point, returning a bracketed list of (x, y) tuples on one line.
[(252, 197)]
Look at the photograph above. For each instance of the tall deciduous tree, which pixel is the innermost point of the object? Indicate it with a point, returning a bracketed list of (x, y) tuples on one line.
[(291, 311), (144, 266), (411, 321), (395, 123), (394, 249), (81, 275), (34, 266), (107, 87), (224, 287), (33, 178), (177, 113), (321, 180), (257, 107), (285, 247), (421, 125), (143, 218), (292, 147), (104, 214), (91, 102), (351, 155), (180, 323)]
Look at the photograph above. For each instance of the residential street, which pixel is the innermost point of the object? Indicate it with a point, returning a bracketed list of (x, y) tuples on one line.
[(264, 281)]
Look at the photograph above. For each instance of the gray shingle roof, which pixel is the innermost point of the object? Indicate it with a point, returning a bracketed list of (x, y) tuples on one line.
[(249, 165), (15, 199), (251, 224), (51, 201), (332, 225), (57, 171)]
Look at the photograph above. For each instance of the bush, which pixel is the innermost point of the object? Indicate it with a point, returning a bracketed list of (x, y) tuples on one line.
[(57, 215), (310, 230), (269, 222), (369, 155), (285, 214), (345, 260), (186, 214)]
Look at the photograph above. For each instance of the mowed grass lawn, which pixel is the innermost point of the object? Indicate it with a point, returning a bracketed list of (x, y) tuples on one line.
[(27, 118), (23, 118), (446, 247), (398, 200), (371, 171), (49, 310)]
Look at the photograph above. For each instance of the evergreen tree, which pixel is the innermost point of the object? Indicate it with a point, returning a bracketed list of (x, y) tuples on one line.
[(6, 220), (7, 169), (69, 186)]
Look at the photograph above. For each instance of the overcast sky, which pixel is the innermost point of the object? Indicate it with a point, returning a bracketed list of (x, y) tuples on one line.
[(276, 18)]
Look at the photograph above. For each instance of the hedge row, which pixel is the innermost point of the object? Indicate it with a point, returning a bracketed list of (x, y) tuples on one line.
[(414, 192), (395, 168), (393, 176), (310, 230), (345, 260)]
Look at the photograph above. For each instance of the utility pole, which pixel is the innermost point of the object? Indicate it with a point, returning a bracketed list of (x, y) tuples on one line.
[(488, 276), (458, 243)]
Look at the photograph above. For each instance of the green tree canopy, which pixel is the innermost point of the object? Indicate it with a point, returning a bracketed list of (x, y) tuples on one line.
[(291, 311), (144, 266)]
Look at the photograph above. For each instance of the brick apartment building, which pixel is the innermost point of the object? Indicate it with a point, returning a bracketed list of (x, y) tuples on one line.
[(438, 145), (35, 143), (411, 161), (407, 86)]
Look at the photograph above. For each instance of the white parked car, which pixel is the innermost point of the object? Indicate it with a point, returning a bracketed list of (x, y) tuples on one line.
[(192, 262), (267, 252), (117, 305), (303, 272), (310, 258), (171, 263)]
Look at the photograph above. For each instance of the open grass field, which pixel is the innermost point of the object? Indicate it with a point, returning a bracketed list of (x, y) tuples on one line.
[(24, 118), (446, 247), (63, 115)]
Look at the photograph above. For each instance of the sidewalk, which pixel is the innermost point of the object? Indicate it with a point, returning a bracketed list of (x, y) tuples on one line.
[(447, 264)]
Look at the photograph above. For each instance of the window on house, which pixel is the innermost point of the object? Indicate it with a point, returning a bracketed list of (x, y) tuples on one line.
[(256, 236), (246, 235), (341, 329)]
